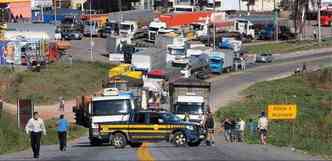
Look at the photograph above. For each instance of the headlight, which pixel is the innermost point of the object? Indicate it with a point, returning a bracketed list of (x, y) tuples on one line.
[(190, 127)]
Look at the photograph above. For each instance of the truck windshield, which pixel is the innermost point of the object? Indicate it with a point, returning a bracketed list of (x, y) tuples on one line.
[(153, 29), (111, 107), (214, 61), (169, 117), (125, 27), (190, 108), (175, 51)]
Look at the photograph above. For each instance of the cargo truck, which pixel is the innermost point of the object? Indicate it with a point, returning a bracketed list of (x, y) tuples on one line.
[(111, 106), (221, 60), (148, 59), (189, 96)]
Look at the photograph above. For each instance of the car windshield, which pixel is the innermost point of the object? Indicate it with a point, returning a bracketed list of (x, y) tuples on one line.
[(110, 107), (190, 108), (184, 9), (169, 117)]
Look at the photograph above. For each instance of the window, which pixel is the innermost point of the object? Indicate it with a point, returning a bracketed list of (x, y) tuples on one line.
[(111, 107), (139, 118), (154, 118)]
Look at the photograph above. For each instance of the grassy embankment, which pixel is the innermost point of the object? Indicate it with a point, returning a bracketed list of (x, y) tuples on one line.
[(289, 46), (312, 92), (45, 87), (57, 80), (14, 139)]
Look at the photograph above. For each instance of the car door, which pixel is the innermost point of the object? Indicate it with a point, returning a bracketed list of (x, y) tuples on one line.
[(138, 124), (159, 128)]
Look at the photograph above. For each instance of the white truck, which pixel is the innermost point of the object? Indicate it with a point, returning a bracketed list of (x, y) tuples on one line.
[(157, 27), (128, 29), (111, 106), (148, 59), (189, 96)]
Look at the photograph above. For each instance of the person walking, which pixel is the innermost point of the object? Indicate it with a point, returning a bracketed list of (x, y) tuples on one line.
[(262, 128), (62, 128), (227, 125), (35, 127), (62, 104), (209, 125), (242, 126)]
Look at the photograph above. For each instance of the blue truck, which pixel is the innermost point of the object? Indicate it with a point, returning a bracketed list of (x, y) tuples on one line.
[(221, 60)]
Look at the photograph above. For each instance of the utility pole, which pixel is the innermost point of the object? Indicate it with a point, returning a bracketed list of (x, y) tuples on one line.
[(91, 41), (319, 3), (214, 24), (276, 23)]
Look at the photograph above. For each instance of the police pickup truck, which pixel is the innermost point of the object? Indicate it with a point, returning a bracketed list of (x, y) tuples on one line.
[(151, 126)]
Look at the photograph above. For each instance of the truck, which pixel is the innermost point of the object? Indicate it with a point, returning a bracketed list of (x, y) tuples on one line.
[(155, 27), (189, 96), (221, 60), (148, 59), (110, 106)]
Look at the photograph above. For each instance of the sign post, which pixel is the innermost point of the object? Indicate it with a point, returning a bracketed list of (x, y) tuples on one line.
[(283, 112), (24, 112)]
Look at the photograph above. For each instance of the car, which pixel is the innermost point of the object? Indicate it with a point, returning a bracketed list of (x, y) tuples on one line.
[(264, 58), (71, 35), (152, 126), (105, 31), (90, 29)]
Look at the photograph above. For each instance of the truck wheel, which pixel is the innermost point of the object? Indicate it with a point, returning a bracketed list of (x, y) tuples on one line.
[(119, 140), (135, 144), (193, 144), (179, 139)]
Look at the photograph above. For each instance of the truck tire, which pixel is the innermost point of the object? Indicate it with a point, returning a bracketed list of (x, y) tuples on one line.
[(135, 144), (179, 139), (119, 140), (193, 144)]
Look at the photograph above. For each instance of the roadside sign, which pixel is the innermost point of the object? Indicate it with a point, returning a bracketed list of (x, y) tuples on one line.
[(282, 112)]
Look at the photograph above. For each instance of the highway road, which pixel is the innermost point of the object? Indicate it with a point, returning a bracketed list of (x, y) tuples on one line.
[(225, 89)]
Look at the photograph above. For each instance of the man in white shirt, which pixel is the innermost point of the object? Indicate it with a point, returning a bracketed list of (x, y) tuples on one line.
[(262, 128), (35, 127), (242, 125)]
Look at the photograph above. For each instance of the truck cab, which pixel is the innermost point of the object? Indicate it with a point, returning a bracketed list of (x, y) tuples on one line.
[(112, 106), (128, 28), (191, 105), (154, 28), (245, 27), (176, 55)]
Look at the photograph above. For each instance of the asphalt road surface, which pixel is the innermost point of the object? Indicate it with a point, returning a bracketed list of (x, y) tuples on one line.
[(225, 89)]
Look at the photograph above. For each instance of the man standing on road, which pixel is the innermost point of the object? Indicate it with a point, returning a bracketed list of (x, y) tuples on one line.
[(35, 127), (61, 104), (62, 128), (227, 129), (242, 125), (262, 128), (209, 125)]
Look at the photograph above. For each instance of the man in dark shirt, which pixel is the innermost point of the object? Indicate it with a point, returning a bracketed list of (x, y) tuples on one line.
[(227, 129), (209, 125)]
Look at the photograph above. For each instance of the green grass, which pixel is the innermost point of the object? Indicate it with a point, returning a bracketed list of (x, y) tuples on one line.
[(286, 47), (312, 93), (14, 139), (56, 80)]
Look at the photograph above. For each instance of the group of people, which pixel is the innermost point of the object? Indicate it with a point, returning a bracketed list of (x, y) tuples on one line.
[(234, 129), (36, 127)]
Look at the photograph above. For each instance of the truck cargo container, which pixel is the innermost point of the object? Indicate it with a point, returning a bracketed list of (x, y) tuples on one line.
[(148, 59), (221, 60)]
